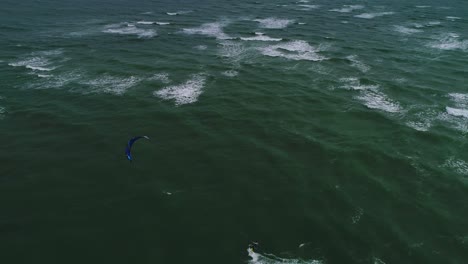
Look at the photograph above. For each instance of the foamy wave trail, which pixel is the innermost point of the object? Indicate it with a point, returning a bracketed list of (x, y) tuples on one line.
[(347, 8), (233, 51), (358, 64), (39, 61), (423, 6), (162, 77), (129, 29), (452, 18), (111, 84), (461, 100), (293, 50), (457, 165), (260, 37), (163, 23), (457, 112), (214, 29), (374, 99), (230, 73), (449, 41), (257, 258), (274, 23), (185, 93), (373, 15), (354, 84), (309, 7), (178, 13), (406, 30), (146, 22)]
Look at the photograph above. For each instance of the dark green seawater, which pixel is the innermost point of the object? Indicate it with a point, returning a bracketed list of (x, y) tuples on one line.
[(327, 131)]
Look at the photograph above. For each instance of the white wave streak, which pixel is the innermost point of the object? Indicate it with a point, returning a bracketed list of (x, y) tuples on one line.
[(374, 15), (460, 99), (39, 61), (185, 93), (214, 29), (162, 77), (457, 112), (112, 84), (261, 37), (358, 64), (309, 7), (458, 165), (450, 41), (230, 73), (129, 29), (348, 8), (257, 258), (146, 22), (274, 23), (378, 100), (293, 50), (406, 30)]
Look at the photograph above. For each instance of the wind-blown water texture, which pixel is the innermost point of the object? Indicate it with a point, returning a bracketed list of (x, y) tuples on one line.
[(326, 131)]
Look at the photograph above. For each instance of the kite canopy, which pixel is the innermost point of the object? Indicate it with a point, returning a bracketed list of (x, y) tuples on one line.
[(128, 149)]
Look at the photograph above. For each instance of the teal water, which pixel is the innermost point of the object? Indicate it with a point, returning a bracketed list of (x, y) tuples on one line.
[(325, 131)]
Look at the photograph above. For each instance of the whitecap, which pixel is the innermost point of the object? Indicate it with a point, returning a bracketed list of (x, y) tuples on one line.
[(260, 37), (457, 112), (274, 23), (375, 99), (162, 77), (347, 8), (146, 22), (44, 76), (309, 7), (171, 14), (358, 64), (257, 258), (354, 84), (293, 50), (449, 41), (129, 29), (457, 165), (453, 18), (33, 63), (162, 23), (423, 6), (214, 29), (112, 84), (373, 15), (230, 73), (460, 99), (201, 47), (185, 93), (406, 30)]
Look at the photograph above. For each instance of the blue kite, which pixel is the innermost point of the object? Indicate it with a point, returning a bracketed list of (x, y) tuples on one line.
[(128, 149)]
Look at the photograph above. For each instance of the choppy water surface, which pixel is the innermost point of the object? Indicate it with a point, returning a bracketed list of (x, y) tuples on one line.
[(325, 131)]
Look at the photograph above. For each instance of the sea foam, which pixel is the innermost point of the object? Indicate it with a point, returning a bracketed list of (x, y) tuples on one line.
[(214, 29), (449, 41), (274, 23), (293, 50), (261, 37), (347, 8), (129, 29), (185, 93), (373, 15), (406, 30), (257, 258), (358, 64)]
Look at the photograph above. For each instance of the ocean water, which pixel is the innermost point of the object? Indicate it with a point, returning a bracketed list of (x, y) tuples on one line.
[(306, 131)]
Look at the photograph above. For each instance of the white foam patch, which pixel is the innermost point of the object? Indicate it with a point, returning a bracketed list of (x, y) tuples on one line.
[(357, 215), (374, 99), (172, 14), (457, 165), (347, 8), (230, 73), (373, 15), (178, 13), (274, 23), (146, 22), (185, 93), (460, 99), (112, 84), (162, 77), (38, 61), (44, 76), (201, 47), (214, 29), (358, 64), (293, 50), (309, 7), (406, 30), (457, 112), (452, 18), (449, 41), (129, 29), (423, 6), (163, 23), (233, 51), (354, 84), (257, 258), (260, 37), (423, 120)]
